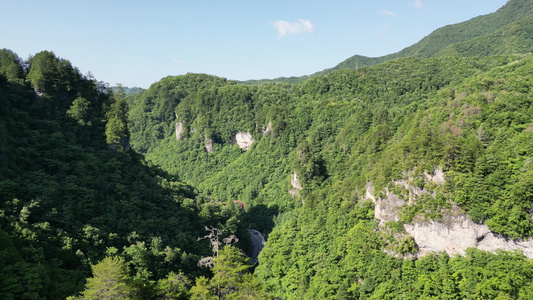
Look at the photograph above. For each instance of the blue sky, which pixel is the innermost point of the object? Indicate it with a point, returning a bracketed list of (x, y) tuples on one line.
[(137, 43)]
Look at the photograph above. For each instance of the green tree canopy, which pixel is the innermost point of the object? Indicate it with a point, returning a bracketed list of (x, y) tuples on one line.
[(110, 281), (231, 279)]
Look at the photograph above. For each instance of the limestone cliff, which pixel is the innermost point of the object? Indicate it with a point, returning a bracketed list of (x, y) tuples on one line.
[(295, 183), (453, 233), (456, 233), (268, 128), (208, 145), (244, 140), (179, 129)]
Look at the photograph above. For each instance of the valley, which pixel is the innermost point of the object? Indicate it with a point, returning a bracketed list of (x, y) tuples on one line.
[(407, 176)]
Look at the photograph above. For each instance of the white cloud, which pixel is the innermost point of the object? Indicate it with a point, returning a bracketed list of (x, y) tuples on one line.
[(178, 63), (418, 3), (386, 12), (302, 26)]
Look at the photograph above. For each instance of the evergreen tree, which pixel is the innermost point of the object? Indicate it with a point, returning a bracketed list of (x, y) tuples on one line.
[(110, 281), (79, 111), (231, 279), (116, 130), (174, 286)]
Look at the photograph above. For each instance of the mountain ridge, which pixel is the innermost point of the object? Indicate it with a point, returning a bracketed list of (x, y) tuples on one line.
[(440, 39), (366, 181)]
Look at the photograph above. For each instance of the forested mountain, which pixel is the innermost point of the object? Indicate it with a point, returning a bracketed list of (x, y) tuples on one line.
[(321, 159), (506, 31), (71, 192), (502, 32), (409, 178)]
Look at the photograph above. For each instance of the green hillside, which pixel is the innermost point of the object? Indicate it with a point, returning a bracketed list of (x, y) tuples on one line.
[(505, 31), (71, 194), (408, 176), (75, 199), (471, 117), (494, 30)]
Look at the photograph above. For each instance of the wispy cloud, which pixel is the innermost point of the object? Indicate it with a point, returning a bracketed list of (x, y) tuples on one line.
[(418, 3), (178, 63), (302, 26), (386, 12)]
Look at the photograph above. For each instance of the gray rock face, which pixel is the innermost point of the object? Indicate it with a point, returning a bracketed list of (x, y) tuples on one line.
[(295, 184), (268, 128), (386, 209), (244, 140), (455, 233), (179, 130), (209, 145), (439, 178)]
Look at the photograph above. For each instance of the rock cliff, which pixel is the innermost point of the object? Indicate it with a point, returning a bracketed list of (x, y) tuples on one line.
[(453, 234), (295, 183), (244, 140)]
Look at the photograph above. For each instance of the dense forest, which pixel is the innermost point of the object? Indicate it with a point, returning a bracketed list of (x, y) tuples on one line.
[(73, 195), (395, 121), (118, 193)]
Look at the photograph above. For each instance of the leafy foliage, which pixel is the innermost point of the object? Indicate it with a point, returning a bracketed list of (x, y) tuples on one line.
[(110, 281), (502, 32), (68, 201), (75, 198), (468, 116), (230, 279)]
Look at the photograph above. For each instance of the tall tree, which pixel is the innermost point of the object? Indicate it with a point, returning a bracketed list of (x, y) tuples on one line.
[(231, 279), (110, 281), (116, 129)]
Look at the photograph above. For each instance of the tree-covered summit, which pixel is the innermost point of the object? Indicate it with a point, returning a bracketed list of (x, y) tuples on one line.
[(72, 193), (505, 31)]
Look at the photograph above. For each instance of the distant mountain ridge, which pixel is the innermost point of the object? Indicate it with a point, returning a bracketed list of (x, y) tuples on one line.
[(506, 31), (514, 14)]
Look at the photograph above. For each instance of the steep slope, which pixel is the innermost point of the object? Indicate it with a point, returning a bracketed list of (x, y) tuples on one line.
[(482, 28), (446, 128), (151, 111), (512, 38), (319, 145), (69, 195), (347, 109)]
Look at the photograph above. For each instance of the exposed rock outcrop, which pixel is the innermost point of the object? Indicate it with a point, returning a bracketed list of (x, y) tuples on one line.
[(456, 233), (295, 184), (386, 209), (209, 145), (38, 93), (369, 194), (453, 234), (438, 177), (179, 129), (244, 140), (268, 128)]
